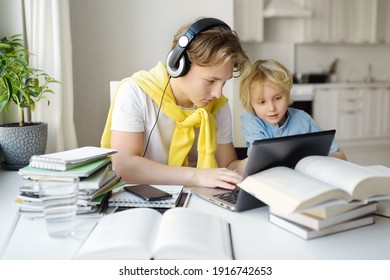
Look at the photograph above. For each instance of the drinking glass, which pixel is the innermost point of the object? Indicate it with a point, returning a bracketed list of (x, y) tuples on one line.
[(59, 203)]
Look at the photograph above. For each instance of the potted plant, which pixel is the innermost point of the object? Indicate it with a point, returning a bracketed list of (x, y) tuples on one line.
[(23, 86)]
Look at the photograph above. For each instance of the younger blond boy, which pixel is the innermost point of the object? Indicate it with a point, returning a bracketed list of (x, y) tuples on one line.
[(265, 95)]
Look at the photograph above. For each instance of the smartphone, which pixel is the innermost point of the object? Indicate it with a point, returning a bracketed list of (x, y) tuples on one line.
[(147, 192)]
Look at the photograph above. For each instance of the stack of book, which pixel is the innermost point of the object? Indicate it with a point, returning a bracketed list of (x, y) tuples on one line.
[(325, 220), (321, 195), (91, 164)]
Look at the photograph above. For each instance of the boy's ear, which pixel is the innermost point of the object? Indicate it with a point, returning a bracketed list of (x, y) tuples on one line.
[(177, 62)]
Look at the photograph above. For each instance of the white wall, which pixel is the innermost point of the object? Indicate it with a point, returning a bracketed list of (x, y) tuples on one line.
[(10, 24), (10, 18), (316, 58), (113, 39), (353, 60)]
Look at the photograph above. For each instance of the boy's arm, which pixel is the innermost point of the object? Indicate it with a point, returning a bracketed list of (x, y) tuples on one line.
[(339, 154)]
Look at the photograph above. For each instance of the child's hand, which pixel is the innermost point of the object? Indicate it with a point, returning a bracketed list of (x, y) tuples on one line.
[(217, 177)]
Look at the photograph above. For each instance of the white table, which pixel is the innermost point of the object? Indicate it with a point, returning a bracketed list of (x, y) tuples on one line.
[(253, 236), (9, 214)]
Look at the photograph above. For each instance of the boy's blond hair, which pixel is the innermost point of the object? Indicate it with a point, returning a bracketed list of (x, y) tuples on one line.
[(264, 71)]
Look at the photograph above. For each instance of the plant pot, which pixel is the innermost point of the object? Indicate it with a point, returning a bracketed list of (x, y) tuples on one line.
[(19, 143)]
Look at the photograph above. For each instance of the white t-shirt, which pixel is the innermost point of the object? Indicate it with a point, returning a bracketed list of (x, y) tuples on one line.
[(135, 111)]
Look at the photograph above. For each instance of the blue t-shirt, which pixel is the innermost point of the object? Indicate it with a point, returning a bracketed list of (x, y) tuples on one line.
[(298, 122)]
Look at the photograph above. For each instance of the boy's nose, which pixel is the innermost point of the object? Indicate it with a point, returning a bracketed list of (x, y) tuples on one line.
[(217, 93)]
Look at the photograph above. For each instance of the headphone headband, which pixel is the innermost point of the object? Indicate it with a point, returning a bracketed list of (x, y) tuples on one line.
[(177, 61)]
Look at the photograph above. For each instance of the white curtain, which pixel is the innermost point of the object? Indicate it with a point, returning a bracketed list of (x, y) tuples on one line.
[(47, 24)]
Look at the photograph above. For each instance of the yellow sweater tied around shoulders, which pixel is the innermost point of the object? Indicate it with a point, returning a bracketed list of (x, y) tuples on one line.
[(153, 83)]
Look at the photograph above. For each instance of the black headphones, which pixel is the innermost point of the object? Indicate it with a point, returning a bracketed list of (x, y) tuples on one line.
[(178, 63)]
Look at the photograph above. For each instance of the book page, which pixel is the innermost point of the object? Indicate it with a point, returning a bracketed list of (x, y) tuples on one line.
[(380, 168), (128, 234), (284, 188), (345, 175), (190, 234)]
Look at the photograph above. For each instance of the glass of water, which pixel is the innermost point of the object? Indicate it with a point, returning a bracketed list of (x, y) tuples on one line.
[(59, 202)]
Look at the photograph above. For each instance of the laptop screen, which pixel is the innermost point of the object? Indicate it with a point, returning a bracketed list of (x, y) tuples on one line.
[(287, 150)]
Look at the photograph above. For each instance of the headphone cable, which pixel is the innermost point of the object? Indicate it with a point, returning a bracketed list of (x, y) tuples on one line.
[(158, 114)]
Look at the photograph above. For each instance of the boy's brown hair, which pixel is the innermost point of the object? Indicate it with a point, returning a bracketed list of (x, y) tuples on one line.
[(214, 45)]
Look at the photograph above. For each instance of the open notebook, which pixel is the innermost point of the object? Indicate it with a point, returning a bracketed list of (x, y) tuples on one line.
[(267, 153)]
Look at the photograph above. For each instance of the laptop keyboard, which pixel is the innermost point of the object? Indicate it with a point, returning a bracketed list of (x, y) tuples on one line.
[(229, 196)]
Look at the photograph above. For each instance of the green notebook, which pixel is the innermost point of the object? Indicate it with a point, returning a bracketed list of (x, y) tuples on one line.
[(98, 196), (84, 170)]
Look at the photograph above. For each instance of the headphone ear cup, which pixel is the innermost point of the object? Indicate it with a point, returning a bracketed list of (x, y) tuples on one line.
[(181, 67)]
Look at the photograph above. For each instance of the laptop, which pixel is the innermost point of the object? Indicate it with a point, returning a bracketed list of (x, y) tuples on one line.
[(264, 154)]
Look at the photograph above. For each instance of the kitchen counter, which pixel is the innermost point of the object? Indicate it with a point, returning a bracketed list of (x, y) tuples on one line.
[(347, 85), (305, 92)]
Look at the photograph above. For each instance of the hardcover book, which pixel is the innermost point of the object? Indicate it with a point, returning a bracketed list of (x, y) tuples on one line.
[(308, 233), (333, 210), (321, 223)]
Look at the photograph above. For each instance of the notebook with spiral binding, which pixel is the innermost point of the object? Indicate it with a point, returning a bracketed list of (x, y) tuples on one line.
[(69, 159), (122, 198)]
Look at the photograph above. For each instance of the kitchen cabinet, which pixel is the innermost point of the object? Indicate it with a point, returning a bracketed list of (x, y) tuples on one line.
[(316, 28), (363, 21), (361, 118), (340, 109), (249, 20), (384, 19), (383, 114), (356, 113), (342, 21), (333, 21)]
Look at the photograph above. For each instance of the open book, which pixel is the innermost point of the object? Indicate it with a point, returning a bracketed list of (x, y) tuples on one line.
[(317, 181), (145, 233)]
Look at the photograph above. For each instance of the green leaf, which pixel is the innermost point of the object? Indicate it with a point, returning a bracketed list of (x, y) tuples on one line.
[(21, 83), (2, 70)]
